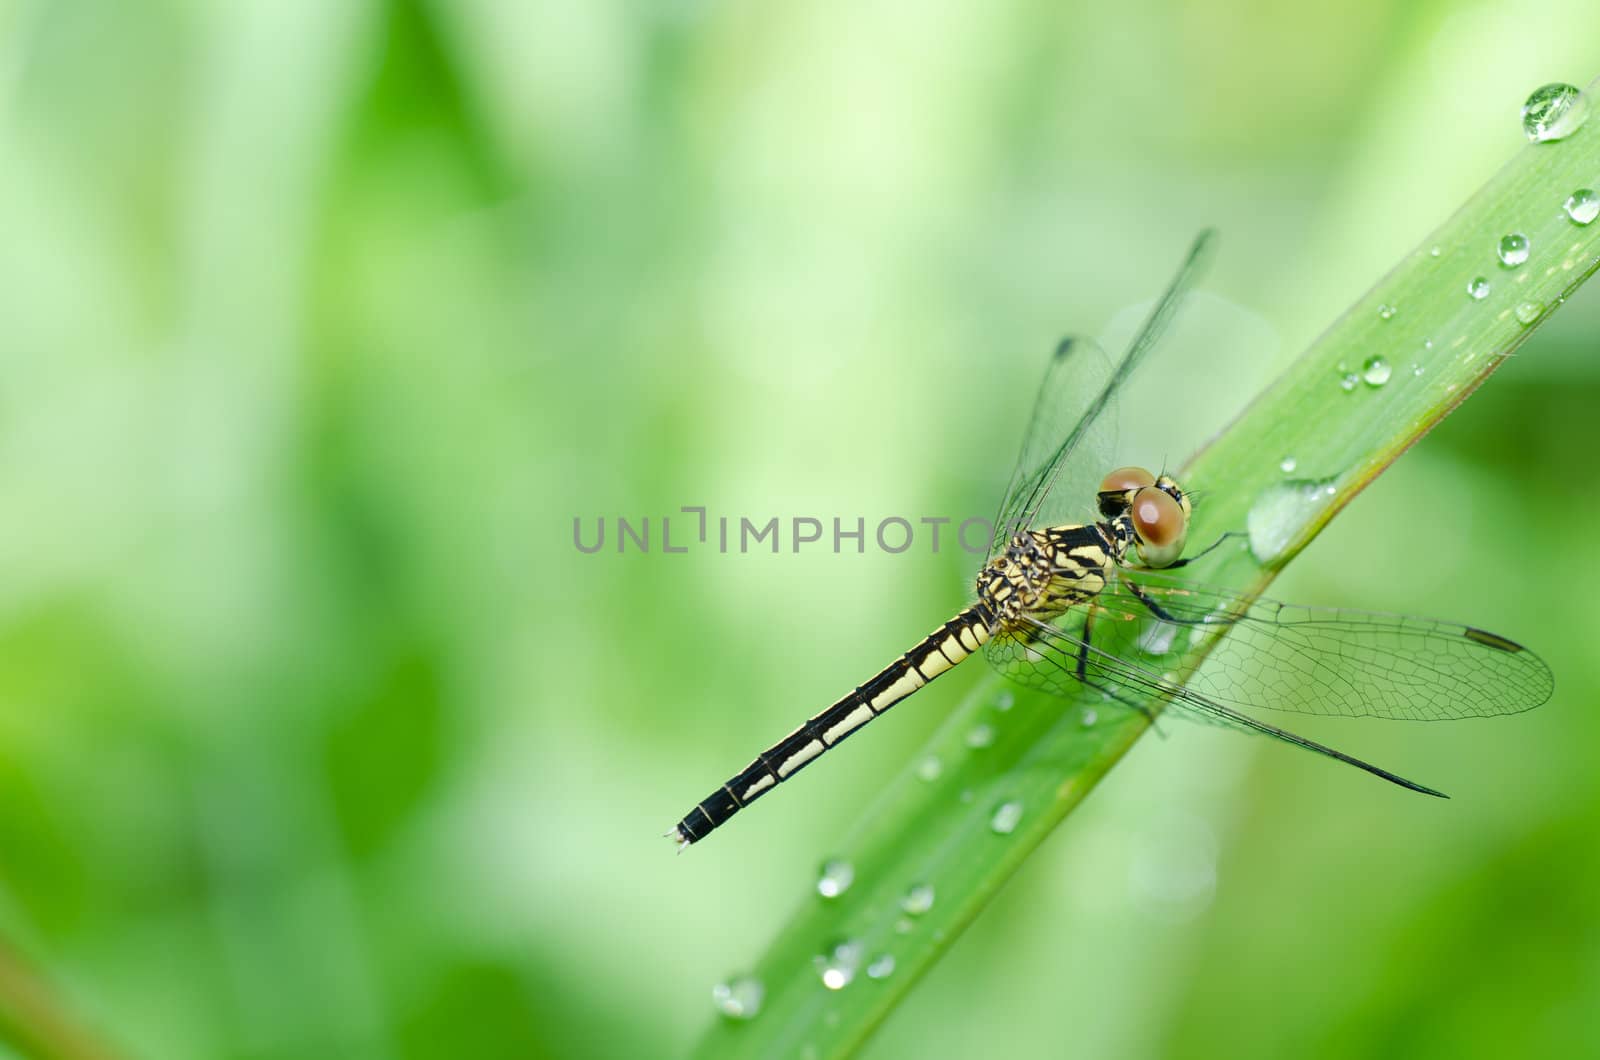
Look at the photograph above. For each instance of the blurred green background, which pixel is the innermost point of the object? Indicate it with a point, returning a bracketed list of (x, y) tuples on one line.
[(319, 324)]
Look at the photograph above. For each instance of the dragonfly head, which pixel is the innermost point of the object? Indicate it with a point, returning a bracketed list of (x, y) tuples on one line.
[(1153, 511)]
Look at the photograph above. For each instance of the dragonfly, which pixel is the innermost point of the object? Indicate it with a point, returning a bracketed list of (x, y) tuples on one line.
[(1062, 606)]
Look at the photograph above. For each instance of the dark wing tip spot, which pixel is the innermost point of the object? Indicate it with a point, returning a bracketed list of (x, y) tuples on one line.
[(1493, 640), (1064, 347)]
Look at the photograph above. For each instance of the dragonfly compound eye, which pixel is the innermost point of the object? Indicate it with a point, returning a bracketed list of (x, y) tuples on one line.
[(1116, 489), (1126, 478), (1162, 526)]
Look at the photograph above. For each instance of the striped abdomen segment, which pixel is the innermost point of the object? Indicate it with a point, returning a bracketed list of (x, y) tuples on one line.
[(940, 650)]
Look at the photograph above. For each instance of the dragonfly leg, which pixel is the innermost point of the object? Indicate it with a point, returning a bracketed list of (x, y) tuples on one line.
[(1081, 672), (1156, 609), (1205, 551)]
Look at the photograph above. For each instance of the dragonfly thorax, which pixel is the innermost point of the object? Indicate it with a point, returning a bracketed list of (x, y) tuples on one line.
[(1044, 572)]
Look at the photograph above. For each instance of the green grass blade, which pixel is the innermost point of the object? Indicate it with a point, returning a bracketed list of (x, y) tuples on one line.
[(993, 782)]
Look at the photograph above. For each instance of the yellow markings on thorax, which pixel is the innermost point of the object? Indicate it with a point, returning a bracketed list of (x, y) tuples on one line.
[(1088, 556), (1079, 573)]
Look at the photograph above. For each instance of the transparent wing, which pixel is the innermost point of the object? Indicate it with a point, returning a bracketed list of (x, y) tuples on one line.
[(1070, 437), (1075, 380), (1049, 657), (1319, 660), (1332, 662)]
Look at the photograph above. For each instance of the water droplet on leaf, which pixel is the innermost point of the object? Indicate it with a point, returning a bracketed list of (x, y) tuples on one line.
[(1553, 112), (918, 900), (1375, 372), (1005, 818), (1582, 206), (739, 998), (835, 879), (838, 966), (1478, 288), (1513, 249), (1281, 513)]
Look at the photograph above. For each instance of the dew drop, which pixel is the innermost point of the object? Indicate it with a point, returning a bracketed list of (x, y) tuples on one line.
[(929, 768), (1478, 288), (1157, 636), (1004, 701), (1348, 382), (1513, 250), (1434, 251), (1554, 112), (1386, 311), (1376, 371), (1089, 717), (1528, 312), (1582, 206), (904, 926), (1287, 465), (1416, 369), (739, 998), (838, 966), (918, 900), (981, 735), (836, 877), (1281, 512), (1005, 818), (882, 967)]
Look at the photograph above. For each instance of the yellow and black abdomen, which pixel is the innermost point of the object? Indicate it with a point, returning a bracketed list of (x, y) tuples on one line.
[(939, 651)]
